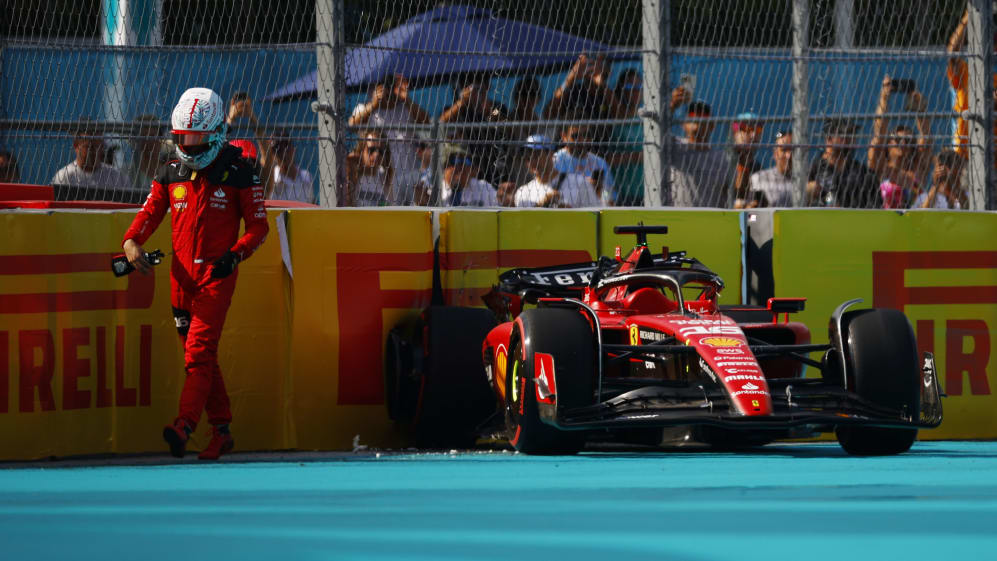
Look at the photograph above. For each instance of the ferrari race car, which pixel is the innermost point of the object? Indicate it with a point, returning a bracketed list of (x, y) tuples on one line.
[(634, 349)]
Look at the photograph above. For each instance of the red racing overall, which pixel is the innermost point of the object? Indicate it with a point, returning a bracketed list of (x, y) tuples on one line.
[(206, 208)]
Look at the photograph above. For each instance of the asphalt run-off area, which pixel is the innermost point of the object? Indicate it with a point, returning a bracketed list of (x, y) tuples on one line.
[(786, 501)]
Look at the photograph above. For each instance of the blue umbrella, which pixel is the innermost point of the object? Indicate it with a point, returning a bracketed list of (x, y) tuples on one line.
[(452, 40)]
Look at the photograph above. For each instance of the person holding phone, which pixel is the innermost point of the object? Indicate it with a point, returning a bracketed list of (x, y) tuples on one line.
[(389, 104), (746, 133), (901, 159), (957, 72), (837, 178)]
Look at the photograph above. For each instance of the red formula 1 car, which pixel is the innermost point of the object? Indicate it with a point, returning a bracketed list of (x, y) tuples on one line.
[(631, 350)]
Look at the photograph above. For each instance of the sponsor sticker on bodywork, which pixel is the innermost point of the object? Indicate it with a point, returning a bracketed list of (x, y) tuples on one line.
[(721, 342)]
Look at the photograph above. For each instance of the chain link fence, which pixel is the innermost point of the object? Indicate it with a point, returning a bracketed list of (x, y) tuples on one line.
[(729, 104)]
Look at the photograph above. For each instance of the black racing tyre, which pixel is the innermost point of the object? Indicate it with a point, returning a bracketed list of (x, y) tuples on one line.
[(455, 396), (568, 337), (881, 351), (401, 381)]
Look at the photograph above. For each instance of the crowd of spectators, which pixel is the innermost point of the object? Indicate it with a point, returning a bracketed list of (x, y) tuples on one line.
[(563, 154)]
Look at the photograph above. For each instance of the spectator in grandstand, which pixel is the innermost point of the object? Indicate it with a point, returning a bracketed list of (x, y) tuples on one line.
[(369, 172), (746, 132), (585, 94), (526, 97), (836, 178), (281, 177), (388, 104), (549, 187), (946, 189), (575, 157), (460, 185), (627, 153), (958, 76), (424, 154), (901, 160), (240, 106), (773, 187), (289, 182), (9, 172), (149, 151), (473, 106), (700, 172), (89, 173)]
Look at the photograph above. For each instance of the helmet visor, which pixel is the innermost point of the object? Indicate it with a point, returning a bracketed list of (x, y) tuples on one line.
[(192, 143)]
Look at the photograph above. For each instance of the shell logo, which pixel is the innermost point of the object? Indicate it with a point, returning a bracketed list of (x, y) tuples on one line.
[(500, 365), (179, 192), (720, 342)]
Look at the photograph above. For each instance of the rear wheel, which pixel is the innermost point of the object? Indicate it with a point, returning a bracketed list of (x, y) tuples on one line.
[(434, 379), (881, 351), (568, 338)]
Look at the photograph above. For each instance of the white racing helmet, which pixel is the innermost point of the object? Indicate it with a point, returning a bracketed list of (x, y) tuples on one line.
[(199, 127)]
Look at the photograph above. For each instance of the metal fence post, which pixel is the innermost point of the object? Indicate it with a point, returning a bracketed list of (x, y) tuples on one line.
[(844, 39), (436, 165), (979, 48), (656, 117), (331, 99), (801, 103)]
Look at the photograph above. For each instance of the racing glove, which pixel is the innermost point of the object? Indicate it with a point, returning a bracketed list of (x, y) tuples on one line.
[(224, 265)]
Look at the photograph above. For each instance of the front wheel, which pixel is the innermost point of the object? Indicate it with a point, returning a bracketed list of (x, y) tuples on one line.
[(881, 352), (567, 338)]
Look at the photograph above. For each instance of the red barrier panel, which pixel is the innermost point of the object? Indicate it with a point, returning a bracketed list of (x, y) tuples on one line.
[(25, 192), (94, 205)]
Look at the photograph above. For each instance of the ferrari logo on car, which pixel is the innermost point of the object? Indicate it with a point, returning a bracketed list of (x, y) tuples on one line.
[(720, 342), (634, 335)]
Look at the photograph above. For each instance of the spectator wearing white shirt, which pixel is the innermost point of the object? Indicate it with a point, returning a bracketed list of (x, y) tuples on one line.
[(575, 157), (946, 186), (389, 104), (89, 173), (369, 175), (550, 187), (460, 185), (774, 186), (290, 182)]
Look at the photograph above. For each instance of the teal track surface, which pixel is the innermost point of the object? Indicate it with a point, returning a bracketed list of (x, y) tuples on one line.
[(794, 501)]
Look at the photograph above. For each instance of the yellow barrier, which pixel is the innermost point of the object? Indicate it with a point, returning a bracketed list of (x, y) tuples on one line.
[(357, 273), (91, 364), (469, 246), (940, 268)]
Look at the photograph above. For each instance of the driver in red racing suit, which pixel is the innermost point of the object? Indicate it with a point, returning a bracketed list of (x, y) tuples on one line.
[(208, 190)]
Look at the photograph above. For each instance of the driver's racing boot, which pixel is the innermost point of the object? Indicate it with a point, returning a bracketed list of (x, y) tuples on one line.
[(221, 443), (177, 435)]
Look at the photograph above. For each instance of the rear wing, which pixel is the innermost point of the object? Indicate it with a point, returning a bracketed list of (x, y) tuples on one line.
[(518, 287)]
